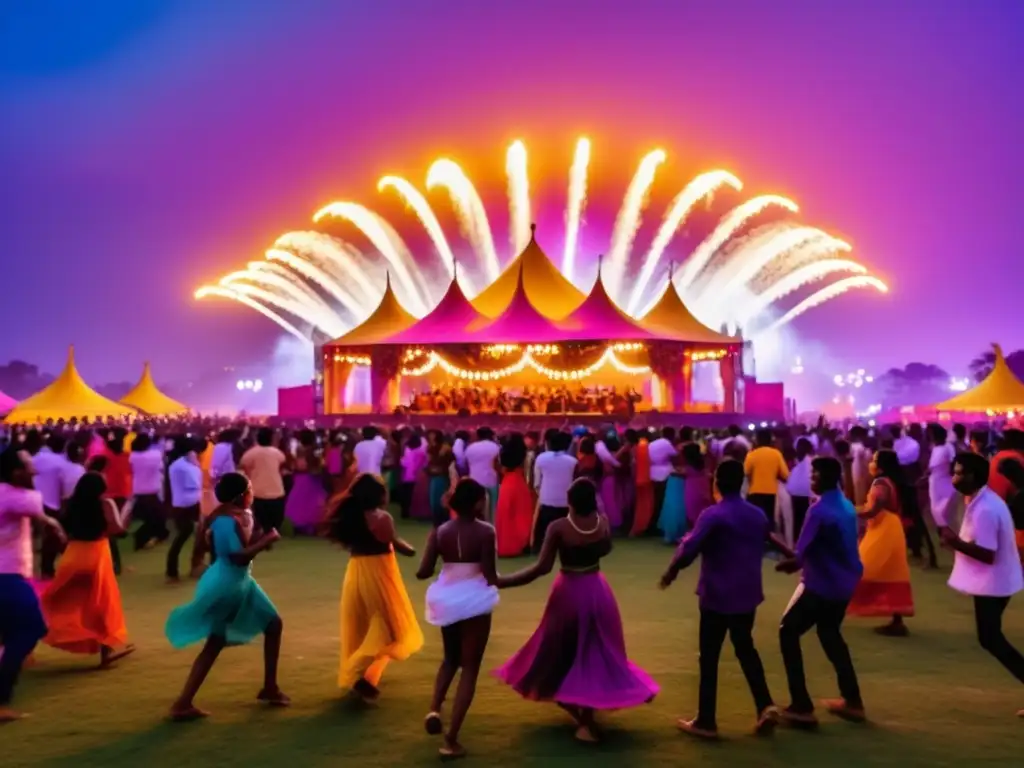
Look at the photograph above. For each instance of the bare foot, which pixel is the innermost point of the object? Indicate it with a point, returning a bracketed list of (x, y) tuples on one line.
[(433, 724), (275, 697), (451, 750), (187, 713), (693, 729), (108, 656), (8, 715), (587, 735)]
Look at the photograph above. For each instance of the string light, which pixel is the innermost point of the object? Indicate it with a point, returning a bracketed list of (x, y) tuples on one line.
[(608, 357), (627, 346), (499, 350), (353, 359), (699, 356)]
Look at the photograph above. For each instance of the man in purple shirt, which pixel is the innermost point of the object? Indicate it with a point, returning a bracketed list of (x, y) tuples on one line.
[(827, 554), (729, 537)]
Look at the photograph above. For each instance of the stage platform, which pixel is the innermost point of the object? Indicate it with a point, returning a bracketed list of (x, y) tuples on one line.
[(529, 421)]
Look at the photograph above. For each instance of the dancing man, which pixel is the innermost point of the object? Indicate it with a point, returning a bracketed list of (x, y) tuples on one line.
[(729, 537), (827, 554), (986, 564)]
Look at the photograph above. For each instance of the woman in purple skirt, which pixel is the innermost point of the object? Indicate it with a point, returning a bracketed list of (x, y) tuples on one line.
[(306, 501), (577, 656)]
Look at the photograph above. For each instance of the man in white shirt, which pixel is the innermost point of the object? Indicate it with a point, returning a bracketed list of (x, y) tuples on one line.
[(23, 624), (661, 452), (860, 460), (482, 465), (908, 451), (369, 452), (72, 471), (986, 565), (553, 473), (49, 480), (147, 462)]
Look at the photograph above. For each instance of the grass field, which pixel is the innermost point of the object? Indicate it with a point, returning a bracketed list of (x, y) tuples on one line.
[(934, 698)]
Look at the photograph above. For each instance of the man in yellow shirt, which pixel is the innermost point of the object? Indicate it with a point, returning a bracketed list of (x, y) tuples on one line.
[(765, 468)]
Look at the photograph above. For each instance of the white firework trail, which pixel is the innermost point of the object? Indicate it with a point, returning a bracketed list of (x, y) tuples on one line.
[(575, 204), (628, 221), (518, 196), (728, 227), (273, 290), (675, 216), (315, 274), (795, 280), (419, 205), (228, 293), (470, 210), (380, 235), (828, 293), (338, 258), (295, 281)]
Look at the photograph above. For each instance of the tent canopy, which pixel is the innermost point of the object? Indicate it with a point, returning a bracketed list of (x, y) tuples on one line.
[(671, 318), (599, 318), (6, 403), (67, 397), (388, 319), (520, 322), (146, 397), (546, 288), (1000, 391), (449, 320)]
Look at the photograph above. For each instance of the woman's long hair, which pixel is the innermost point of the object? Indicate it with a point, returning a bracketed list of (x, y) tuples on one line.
[(86, 518), (346, 522)]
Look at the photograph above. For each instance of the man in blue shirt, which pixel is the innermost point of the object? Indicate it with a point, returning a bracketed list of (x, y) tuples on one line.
[(186, 480), (827, 554), (730, 538)]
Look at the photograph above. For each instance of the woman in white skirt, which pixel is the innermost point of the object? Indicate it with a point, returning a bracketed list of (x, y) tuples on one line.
[(460, 602)]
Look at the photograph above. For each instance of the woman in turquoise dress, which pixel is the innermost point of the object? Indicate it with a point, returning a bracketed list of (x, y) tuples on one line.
[(228, 608), (673, 510)]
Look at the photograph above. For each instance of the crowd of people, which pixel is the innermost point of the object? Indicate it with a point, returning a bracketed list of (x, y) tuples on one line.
[(538, 400), (849, 510)]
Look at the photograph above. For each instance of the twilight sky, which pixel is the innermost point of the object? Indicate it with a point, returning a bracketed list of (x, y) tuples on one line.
[(146, 147)]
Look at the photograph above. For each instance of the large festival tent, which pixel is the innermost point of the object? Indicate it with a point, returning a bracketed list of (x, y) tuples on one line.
[(1000, 392), (6, 403), (147, 398), (531, 326), (67, 397)]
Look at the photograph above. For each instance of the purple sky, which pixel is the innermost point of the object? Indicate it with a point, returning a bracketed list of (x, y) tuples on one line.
[(147, 147)]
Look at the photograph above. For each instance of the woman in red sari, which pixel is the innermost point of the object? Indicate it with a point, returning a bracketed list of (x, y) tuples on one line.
[(514, 513), (643, 509)]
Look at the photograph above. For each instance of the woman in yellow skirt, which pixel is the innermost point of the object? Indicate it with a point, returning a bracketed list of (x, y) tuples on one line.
[(884, 589), (378, 623), (82, 605)]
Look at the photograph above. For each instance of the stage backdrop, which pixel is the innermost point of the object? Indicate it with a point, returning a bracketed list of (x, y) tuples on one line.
[(296, 402)]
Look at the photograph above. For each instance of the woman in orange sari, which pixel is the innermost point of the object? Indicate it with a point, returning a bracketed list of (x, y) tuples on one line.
[(82, 605), (643, 509), (514, 513), (884, 588)]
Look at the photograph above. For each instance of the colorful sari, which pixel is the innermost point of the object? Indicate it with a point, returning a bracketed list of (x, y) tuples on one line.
[(644, 509)]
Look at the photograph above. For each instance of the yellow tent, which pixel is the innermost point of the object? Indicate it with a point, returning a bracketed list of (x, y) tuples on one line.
[(546, 288), (385, 321), (146, 397), (672, 318), (66, 398), (1000, 392)]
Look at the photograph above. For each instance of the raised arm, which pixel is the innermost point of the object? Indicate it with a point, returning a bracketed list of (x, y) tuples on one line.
[(429, 561), (542, 567)]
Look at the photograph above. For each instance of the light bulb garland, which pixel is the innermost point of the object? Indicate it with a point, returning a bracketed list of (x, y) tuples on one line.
[(353, 359), (702, 355)]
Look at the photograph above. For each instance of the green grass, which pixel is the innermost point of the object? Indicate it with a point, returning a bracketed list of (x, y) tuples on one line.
[(935, 698)]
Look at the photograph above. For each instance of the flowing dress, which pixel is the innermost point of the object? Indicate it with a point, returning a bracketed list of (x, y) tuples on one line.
[(643, 510), (460, 592), (228, 602), (82, 605), (577, 656), (884, 588), (308, 497), (514, 514), (673, 520), (378, 623)]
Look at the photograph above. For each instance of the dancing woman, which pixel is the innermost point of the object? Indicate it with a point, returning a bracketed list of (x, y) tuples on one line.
[(460, 602), (378, 623), (513, 515), (82, 604), (229, 608), (577, 656), (884, 588)]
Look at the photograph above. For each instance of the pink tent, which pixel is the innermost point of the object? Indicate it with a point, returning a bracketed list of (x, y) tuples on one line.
[(448, 322), (519, 323), (6, 403), (598, 318)]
